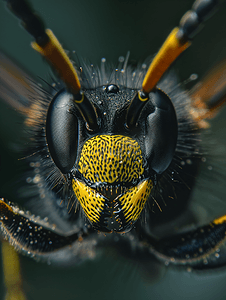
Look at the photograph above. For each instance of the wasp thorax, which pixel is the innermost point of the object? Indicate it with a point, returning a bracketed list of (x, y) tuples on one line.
[(113, 192)]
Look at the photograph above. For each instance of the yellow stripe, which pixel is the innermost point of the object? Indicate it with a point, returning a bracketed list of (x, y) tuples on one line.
[(220, 220), (4, 207), (79, 101), (142, 99), (54, 52), (167, 54)]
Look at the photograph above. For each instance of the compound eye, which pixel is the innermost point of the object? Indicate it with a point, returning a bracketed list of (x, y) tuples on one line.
[(161, 132), (62, 131)]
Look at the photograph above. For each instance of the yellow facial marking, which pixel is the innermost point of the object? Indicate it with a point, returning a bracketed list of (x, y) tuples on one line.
[(91, 201), (111, 158), (134, 199), (130, 203), (113, 163)]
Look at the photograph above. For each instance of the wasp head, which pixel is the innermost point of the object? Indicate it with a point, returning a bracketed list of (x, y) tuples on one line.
[(114, 167)]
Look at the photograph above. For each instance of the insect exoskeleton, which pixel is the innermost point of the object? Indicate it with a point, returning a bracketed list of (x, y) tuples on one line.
[(108, 146)]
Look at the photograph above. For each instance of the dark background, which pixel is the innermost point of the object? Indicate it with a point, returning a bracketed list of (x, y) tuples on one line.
[(97, 29)]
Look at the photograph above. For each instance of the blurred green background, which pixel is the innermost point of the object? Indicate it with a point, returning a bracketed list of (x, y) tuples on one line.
[(97, 29)]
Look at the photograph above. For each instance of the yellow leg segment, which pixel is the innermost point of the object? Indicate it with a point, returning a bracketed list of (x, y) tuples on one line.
[(11, 270)]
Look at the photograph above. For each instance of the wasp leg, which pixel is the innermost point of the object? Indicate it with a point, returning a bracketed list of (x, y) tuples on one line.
[(202, 248), (29, 235), (11, 269)]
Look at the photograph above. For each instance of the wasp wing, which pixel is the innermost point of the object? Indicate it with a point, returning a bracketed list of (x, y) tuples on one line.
[(209, 95), (17, 88)]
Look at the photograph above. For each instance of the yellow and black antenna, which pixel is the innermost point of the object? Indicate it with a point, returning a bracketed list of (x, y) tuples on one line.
[(177, 41), (48, 45)]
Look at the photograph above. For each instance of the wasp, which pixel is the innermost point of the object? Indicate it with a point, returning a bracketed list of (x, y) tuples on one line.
[(109, 151)]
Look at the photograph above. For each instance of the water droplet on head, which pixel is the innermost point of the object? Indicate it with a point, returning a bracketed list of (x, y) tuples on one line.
[(144, 66), (29, 180), (37, 178), (194, 76), (188, 161)]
